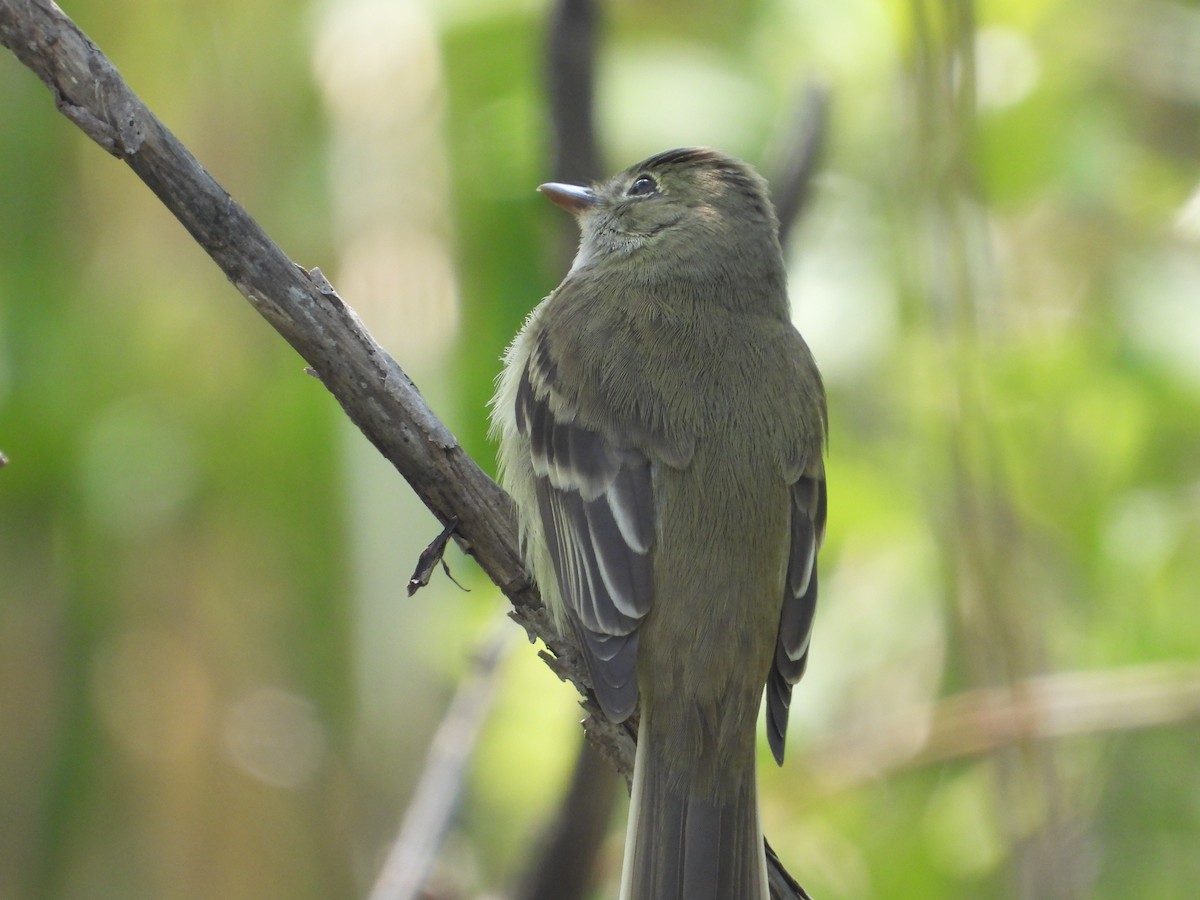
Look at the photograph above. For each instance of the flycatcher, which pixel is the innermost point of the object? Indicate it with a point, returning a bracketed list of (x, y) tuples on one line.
[(661, 427)]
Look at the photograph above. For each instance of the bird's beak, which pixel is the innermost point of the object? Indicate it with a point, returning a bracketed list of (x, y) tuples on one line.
[(571, 197)]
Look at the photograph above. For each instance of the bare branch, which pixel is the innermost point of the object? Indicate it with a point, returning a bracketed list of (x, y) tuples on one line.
[(571, 72), (415, 850), (562, 867), (304, 308), (977, 722), (798, 154), (301, 305)]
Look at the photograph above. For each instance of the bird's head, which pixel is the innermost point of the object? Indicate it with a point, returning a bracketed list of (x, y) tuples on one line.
[(692, 212)]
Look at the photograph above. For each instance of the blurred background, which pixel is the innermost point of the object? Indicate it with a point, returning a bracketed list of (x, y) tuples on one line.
[(212, 683)]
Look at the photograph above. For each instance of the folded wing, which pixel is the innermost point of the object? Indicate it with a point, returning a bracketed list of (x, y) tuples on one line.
[(596, 507), (808, 503)]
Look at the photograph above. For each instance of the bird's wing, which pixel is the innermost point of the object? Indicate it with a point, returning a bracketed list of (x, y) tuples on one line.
[(596, 506), (799, 604)]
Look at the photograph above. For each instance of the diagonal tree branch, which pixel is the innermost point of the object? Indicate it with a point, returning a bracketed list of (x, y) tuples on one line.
[(303, 307)]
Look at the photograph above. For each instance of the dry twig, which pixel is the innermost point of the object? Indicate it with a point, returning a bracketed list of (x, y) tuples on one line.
[(977, 722), (414, 852)]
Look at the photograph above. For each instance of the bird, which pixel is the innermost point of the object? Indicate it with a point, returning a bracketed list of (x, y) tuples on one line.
[(662, 428)]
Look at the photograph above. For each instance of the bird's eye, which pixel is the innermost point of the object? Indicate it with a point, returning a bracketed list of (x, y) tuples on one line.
[(642, 186)]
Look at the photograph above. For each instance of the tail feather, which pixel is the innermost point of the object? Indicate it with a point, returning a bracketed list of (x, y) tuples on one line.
[(685, 844)]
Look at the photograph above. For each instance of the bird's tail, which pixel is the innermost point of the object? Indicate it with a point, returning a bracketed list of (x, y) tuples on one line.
[(685, 843)]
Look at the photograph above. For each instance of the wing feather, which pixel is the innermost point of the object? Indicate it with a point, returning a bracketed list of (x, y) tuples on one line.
[(596, 506), (809, 506)]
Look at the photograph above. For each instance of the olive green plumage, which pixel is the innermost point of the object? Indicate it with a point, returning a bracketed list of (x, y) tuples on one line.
[(661, 427)]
